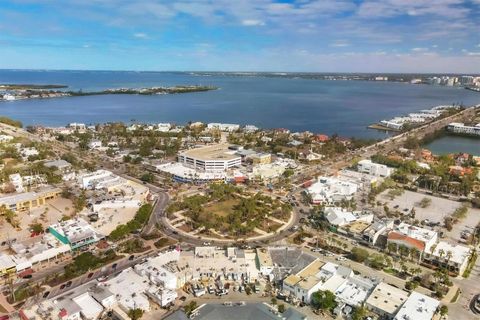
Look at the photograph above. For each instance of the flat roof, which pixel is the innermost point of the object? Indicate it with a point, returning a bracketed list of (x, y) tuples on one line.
[(26, 196), (418, 307), (90, 308), (357, 226), (415, 232), (312, 269), (264, 257), (458, 252), (212, 152), (387, 298)]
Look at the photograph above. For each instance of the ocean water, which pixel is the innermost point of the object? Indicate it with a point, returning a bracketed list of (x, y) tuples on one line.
[(320, 106)]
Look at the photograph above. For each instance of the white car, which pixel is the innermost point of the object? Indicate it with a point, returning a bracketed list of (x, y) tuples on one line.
[(341, 258)]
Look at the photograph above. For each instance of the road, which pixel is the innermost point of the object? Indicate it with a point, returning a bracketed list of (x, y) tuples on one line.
[(470, 288), (159, 207)]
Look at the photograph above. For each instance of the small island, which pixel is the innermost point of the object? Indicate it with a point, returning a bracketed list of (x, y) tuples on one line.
[(11, 92)]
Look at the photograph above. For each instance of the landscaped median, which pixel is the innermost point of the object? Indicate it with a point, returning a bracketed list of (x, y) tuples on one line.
[(141, 217)]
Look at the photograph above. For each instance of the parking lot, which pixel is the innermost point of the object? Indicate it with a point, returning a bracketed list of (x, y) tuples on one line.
[(436, 211)]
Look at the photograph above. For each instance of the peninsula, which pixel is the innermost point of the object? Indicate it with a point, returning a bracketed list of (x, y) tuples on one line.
[(9, 92)]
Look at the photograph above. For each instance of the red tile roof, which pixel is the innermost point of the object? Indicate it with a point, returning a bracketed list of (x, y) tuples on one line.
[(410, 242)]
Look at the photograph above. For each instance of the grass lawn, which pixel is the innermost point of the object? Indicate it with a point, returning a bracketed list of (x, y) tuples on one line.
[(222, 208)]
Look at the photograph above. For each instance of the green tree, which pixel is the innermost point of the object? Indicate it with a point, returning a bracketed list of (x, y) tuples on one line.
[(359, 313), (281, 308), (443, 310), (190, 307), (359, 254), (135, 314), (36, 227), (148, 177), (324, 300)]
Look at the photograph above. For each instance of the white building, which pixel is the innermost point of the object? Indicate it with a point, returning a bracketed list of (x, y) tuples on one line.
[(227, 127), (90, 308), (163, 297), (354, 291), (395, 124), (129, 289), (75, 232), (453, 256), (413, 237), (463, 129), (182, 173), (159, 275), (100, 179), (211, 158), (337, 216), (374, 169), (418, 307), (28, 254), (328, 190), (164, 127), (104, 296), (250, 128), (386, 300), (316, 276)]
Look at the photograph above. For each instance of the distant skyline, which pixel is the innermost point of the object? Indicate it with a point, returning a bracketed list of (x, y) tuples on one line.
[(411, 36)]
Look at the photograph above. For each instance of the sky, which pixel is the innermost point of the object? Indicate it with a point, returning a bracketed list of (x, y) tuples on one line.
[(439, 36)]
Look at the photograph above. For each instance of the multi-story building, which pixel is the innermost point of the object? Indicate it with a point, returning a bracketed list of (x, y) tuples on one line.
[(374, 169), (463, 129), (75, 232), (452, 256), (413, 237), (212, 158)]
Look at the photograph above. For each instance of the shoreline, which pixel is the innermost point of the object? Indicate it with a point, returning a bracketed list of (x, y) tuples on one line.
[(23, 94)]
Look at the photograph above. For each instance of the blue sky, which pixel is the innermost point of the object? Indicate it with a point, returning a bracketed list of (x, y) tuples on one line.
[(242, 35)]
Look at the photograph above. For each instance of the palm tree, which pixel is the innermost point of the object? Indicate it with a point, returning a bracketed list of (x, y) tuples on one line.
[(441, 253), (449, 256)]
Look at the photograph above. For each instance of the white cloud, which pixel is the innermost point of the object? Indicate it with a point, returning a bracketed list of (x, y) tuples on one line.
[(340, 44), (140, 35), (419, 49), (252, 22)]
